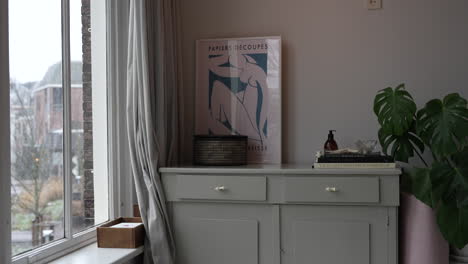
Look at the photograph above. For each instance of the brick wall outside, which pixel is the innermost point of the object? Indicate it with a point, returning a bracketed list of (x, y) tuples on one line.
[(88, 183)]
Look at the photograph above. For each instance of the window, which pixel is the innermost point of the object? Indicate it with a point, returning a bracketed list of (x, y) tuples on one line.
[(57, 98), (59, 137)]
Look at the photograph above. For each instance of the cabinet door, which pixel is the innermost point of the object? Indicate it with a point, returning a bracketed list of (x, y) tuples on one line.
[(213, 233), (334, 235)]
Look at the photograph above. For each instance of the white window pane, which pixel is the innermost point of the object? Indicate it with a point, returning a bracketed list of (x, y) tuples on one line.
[(89, 134), (36, 123)]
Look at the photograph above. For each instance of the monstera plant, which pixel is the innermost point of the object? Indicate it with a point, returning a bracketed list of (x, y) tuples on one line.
[(441, 129)]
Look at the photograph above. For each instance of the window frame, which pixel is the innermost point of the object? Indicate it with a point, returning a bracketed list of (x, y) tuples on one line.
[(5, 177), (119, 173)]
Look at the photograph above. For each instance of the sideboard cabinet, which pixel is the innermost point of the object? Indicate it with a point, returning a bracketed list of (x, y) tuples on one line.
[(283, 215)]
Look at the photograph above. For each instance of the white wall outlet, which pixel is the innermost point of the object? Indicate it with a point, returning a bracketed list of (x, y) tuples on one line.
[(373, 4)]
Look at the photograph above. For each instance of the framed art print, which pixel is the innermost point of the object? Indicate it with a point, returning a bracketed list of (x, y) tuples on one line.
[(238, 92)]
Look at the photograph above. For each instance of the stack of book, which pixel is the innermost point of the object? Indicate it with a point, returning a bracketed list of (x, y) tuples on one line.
[(354, 161)]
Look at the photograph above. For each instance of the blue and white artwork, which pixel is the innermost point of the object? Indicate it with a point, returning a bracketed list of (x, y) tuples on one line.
[(238, 93)]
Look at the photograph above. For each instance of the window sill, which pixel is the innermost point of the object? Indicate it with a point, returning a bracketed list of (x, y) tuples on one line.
[(93, 254)]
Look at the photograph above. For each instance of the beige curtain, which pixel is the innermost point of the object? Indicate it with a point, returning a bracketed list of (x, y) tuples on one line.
[(152, 116)]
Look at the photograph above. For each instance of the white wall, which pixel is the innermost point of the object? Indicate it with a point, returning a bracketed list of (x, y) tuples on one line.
[(336, 55)]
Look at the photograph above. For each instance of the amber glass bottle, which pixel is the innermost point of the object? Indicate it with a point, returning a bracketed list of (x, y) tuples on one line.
[(330, 144)]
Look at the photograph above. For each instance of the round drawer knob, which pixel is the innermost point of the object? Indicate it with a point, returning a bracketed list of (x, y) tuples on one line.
[(220, 188), (331, 189)]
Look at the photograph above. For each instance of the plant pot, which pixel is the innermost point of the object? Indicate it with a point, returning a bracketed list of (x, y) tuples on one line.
[(420, 239), (459, 256)]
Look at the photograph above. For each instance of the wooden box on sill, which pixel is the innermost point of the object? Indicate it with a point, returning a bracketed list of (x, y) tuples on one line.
[(132, 237)]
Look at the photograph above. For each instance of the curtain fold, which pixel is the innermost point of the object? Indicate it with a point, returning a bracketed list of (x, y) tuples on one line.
[(152, 116)]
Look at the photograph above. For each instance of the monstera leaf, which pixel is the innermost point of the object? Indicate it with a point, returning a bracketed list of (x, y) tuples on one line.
[(450, 179), (453, 224), (403, 146), (417, 181), (450, 196), (395, 110), (443, 125)]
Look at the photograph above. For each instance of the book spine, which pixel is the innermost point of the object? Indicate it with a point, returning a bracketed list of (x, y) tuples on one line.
[(354, 165)]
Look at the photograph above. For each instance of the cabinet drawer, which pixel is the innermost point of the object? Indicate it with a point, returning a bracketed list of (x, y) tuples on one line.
[(221, 187), (332, 189)]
